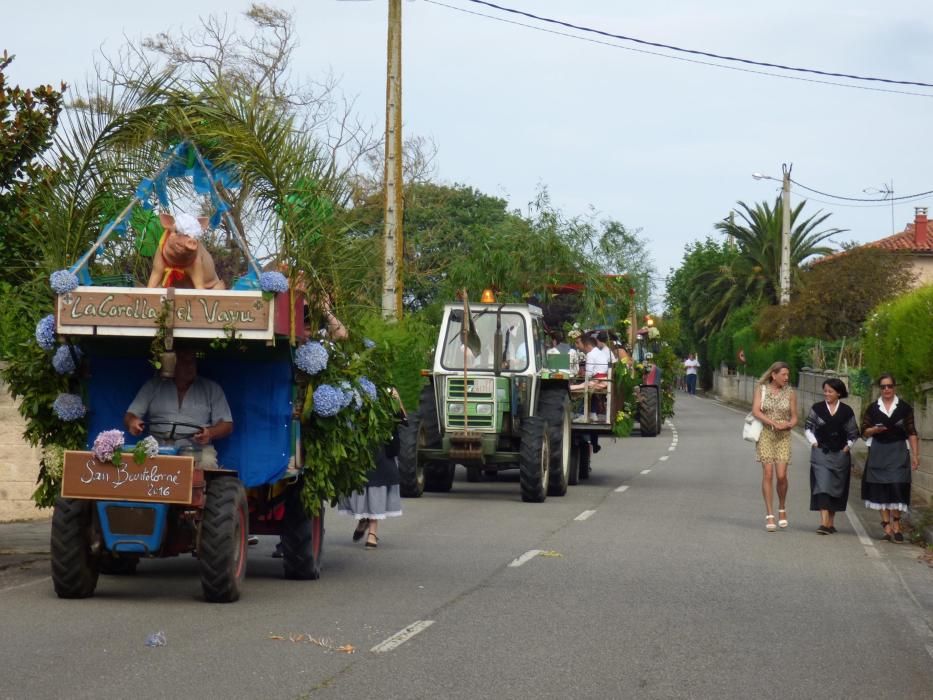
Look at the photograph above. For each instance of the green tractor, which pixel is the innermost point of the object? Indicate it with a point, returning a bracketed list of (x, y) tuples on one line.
[(491, 404)]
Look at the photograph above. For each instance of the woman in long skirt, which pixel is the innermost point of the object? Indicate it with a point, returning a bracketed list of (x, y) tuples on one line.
[(831, 430), (893, 451)]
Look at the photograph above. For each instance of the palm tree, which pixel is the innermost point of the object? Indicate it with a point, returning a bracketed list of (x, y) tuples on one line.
[(757, 268)]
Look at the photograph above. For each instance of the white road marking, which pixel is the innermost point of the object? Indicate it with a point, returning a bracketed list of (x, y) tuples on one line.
[(870, 550), (527, 556), (622, 489), (44, 579), (671, 448), (645, 471), (664, 458), (399, 638), (585, 514)]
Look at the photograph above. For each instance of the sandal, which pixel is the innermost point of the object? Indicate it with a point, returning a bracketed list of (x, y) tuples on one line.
[(887, 535), (360, 530), (769, 523), (782, 522), (372, 541), (898, 536)]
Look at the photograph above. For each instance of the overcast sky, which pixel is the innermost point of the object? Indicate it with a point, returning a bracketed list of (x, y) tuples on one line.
[(663, 145)]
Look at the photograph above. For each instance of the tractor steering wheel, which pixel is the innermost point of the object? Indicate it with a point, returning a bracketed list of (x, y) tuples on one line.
[(170, 434)]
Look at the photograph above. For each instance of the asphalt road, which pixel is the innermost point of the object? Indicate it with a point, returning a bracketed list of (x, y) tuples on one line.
[(653, 579)]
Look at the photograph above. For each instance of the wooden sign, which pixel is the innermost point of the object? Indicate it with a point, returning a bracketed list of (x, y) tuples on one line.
[(129, 307), (160, 479)]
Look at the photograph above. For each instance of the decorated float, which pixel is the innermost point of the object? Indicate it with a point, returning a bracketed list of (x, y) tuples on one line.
[(306, 412)]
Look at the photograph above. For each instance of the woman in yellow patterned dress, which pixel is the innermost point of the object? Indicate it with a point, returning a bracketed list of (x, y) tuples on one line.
[(775, 406)]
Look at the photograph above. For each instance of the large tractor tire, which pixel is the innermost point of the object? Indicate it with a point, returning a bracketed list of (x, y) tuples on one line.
[(410, 468), (534, 459), (649, 410), (74, 566), (117, 565), (222, 540), (474, 474), (573, 477), (427, 411), (584, 461), (555, 409), (302, 539), (439, 476)]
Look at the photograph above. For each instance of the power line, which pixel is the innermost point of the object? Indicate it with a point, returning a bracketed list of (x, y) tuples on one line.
[(695, 52), (862, 199), (878, 204), (678, 58)]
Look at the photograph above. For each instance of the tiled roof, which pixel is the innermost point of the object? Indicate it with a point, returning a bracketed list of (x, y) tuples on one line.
[(905, 241)]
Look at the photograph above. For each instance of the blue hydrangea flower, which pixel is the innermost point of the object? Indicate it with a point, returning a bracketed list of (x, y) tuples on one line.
[(328, 400), (64, 360), (273, 282), (69, 407), (369, 343), (45, 332), (368, 387), (106, 443), (311, 357), (63, 281), (347, 394)]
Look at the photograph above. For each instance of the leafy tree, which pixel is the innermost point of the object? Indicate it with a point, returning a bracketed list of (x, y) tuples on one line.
[(836, 295), (27, 122), (757, 268)]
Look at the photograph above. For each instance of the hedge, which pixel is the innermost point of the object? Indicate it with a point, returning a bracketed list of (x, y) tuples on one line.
[(899, 339)]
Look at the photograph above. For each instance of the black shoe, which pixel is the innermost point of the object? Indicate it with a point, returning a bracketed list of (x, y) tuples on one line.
[(277, 554), (898, 537), (360, 530), (832, 530), (823, 530), (596, 448)]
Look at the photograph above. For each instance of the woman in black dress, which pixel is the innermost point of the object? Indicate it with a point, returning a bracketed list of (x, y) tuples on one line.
[(888, 427), (832, 430)]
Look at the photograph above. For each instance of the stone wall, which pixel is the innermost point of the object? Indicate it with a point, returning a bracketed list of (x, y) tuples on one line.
[(19, 465), (739, 389)]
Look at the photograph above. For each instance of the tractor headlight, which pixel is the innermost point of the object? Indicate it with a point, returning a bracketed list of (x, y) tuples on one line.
[(484, 409), (455, 409)]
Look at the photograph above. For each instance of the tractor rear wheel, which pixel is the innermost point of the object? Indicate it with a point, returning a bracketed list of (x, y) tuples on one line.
[(222, 541), (114, 565), (302, 539), (555, 409), (427, 411), (534, 459), (584, 461), (474, 474), (74, 566), (649, 410), (439, 476), (573, 478)]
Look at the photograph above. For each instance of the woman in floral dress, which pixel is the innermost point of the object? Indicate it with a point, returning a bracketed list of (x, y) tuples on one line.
[(775, 405)]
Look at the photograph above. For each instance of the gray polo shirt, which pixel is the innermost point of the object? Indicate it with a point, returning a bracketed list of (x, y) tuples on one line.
[(204, 403)]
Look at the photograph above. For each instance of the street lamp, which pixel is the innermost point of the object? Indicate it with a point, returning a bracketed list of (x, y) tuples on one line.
[(785, 229)]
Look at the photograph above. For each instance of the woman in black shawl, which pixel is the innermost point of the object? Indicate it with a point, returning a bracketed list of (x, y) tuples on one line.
[(888, 427), (831, 430)]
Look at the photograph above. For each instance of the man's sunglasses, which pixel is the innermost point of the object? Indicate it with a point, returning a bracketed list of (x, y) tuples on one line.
[(886, 386)]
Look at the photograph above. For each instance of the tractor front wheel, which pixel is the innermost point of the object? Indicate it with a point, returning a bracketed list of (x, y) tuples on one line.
[(534, 459), (222, 541), (74, 566), (302, 539)]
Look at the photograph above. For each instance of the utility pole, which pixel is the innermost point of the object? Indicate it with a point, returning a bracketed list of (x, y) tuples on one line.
[(393, 240), (785, 236)]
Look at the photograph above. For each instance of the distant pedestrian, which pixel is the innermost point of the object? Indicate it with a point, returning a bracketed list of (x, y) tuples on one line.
[(775, 406), (691, 364), (381, 497), (831, 429), (888, 428)]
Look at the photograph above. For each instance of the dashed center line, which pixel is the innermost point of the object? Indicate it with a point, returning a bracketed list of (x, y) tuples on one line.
[(399, 638), (671, 448), (622, 489), (585, 514), (664, 458), (645, 471), (527, 556)]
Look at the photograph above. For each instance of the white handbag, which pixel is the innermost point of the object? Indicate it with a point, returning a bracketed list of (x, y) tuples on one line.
[(751, 431)]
